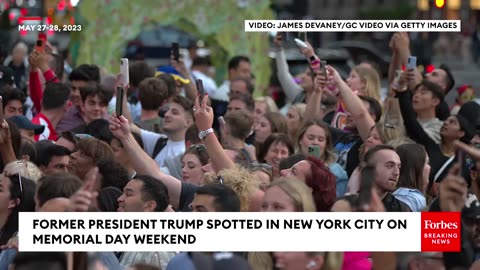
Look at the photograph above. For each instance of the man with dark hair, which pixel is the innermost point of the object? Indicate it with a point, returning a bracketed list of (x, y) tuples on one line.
[(137, 72), (13, 100), (54, 106), (144, 194), (215, 198), (238, 66), (241, 86), (153, 94), (95, 100), (201, 71), (426, 98), (52, 158), (80, 77), (112, 174), (40, 260), (177, 120), (241, 102), (57, 185)]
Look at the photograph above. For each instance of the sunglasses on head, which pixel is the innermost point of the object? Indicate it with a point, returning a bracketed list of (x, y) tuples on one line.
[(197, 147)]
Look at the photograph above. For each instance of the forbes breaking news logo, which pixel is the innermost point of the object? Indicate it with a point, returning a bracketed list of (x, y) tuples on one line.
[(441, 231)]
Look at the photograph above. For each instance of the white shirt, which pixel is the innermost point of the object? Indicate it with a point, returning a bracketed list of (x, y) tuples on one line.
[(223, 91), (208, 83), (171, 149)]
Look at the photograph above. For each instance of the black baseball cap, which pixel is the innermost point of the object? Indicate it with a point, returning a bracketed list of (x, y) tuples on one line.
[(22, 122), (6, 76)]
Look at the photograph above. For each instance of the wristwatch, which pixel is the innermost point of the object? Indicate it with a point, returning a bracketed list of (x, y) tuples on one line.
[(204, 133)]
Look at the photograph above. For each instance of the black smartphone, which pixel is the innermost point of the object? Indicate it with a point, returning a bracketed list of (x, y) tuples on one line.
[(200, 89), (176, 51), (1, 110), (460, 157), (119, 104), (367, 178)]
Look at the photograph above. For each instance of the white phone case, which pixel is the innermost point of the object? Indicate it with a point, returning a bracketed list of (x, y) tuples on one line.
[(412, 62), (300, 43), (124, 71)]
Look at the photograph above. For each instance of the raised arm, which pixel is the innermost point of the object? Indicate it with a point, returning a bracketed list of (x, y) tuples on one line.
[(290, 88), (190, 88), (313, 109), (203, 121), (6, 147), (142, 163), (355, 106)]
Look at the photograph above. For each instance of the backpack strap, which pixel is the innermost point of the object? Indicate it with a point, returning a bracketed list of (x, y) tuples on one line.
[(159, 145)]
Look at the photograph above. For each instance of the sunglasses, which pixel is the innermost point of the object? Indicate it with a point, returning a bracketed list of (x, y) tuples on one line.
[(198, 147)]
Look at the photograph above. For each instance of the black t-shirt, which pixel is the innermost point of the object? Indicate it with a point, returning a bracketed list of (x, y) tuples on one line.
[(347, 147), (390, 203), (186, 196)]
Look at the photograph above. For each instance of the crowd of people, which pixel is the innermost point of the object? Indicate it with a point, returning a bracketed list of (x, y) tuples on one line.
[(64, 148)]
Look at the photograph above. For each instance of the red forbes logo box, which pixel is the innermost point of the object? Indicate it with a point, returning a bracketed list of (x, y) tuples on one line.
[(441, 231)]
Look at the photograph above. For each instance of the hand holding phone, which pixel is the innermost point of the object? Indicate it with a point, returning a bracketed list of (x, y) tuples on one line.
[(200, 89), (176, 51), (119, 101)]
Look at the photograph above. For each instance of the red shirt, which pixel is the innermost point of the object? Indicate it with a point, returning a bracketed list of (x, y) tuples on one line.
[(49, 133)]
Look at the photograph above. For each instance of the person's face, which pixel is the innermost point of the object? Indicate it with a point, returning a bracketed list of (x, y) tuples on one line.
[(299, 171), (372, 140), (293, 120), (243, 70), (451, 129), (387, 169), (355, 82), (437, 76), (6, 203), (426, 173), (277, 200), (203, 203), (119, 153), (18, 55), (466, 96), (314, 136), (80, 164), (66, 143), (58, 164), (263, 179), (175, 119), (131, 199), (306, 81), (239, 88), (295, 261), (260, 110), (423, 99), (192, 169), (13, 108), (27, 133), (236, 105), (263, 129), (75, 96), (94, 108), (276, 152)]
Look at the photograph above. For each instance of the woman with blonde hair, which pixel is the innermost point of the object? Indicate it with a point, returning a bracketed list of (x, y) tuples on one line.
[(288, 195), (295, 119), (24, 169), (263, 105)]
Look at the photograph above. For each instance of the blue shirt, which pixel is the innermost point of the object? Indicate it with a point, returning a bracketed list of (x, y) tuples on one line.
[(341, 178), (411, 197)]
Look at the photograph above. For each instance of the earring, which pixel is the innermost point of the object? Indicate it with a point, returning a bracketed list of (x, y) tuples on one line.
[(311, 265)]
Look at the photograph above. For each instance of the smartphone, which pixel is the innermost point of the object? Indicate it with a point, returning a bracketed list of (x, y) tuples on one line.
[(43, 37), (40, 45), (367, 177), (323, 67), (412, 62), (460, 157), (1, 110), (200, 89), (119, 104), (300, 43), (176, 51), (124, 72), (314, 151)]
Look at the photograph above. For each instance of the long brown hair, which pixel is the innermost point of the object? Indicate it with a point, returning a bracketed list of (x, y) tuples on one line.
[(413, 157), (329, 155)]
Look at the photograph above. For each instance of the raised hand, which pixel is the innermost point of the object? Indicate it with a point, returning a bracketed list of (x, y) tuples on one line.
[(453, 191), (83, 199), (203, 114), (119, 126)]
